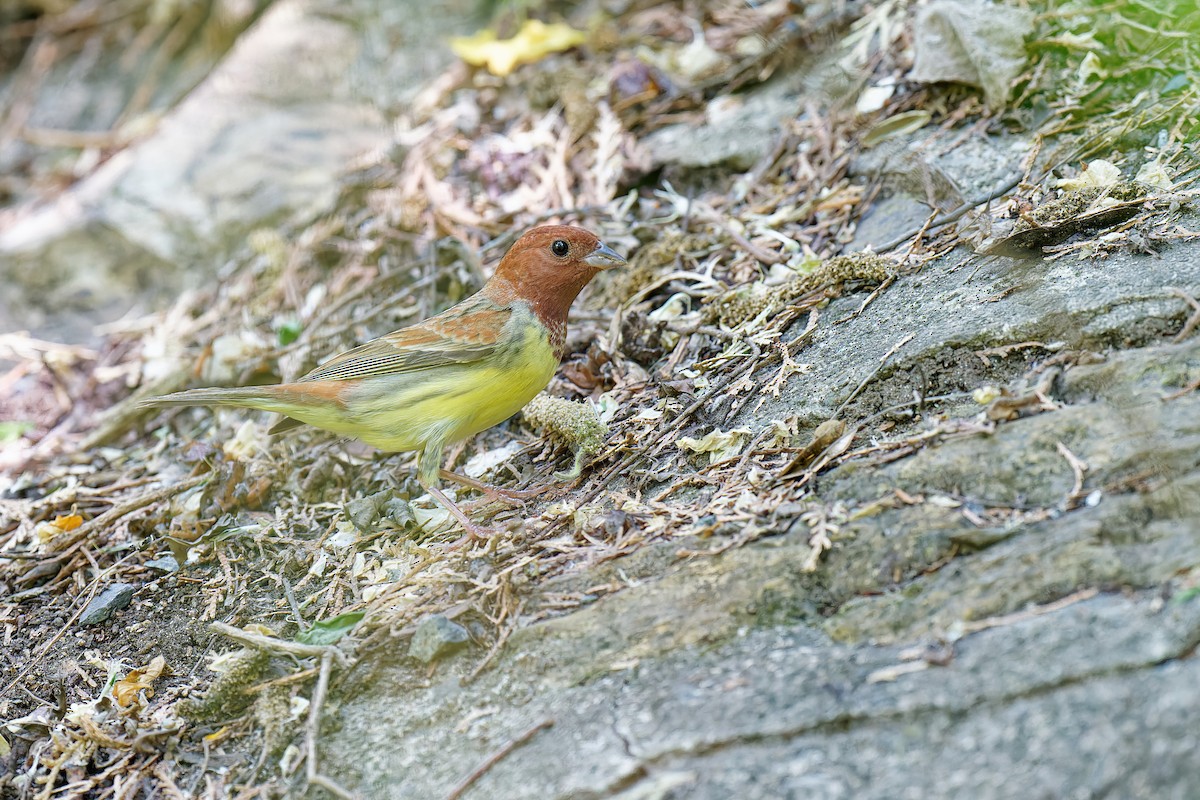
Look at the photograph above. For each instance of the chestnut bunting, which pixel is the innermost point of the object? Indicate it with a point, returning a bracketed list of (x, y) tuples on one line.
[(451, 376)]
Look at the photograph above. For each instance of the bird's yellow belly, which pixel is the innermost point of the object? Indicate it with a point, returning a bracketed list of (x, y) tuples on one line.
[(447, 403)]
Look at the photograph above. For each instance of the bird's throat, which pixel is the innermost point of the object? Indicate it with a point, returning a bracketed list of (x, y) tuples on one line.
[(549, 300)]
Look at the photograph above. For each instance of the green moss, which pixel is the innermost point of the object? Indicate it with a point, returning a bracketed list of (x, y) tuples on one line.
[(273, 712), (226, 697), (1073, 203), (571, 424), (747, 302)]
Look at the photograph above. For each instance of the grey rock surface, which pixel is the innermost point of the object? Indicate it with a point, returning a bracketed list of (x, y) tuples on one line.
[(264, 139), (785, 713), (965, 302), (734, 139)]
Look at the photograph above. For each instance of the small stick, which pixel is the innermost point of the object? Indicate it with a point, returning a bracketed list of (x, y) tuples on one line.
[(331, 786), (105, 520), (888, 281), (274, 645), (757, 253), (1193, 321), (314, 722), (975, 626), (495, 758), (882, 362), (1078, 468), (953, 216), (295, 677), (916, 242), (290, 594), (1191, 387)]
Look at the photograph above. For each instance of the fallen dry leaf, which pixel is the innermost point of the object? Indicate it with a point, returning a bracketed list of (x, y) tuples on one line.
[(126, 691), (533, 42)]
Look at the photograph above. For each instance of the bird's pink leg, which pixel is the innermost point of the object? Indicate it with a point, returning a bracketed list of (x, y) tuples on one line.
[(475, 531), (510, 496), (428, 466)]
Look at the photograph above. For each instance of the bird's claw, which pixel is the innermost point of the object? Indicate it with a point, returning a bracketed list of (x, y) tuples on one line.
[(496, 494), (474, 533), (509, 497)]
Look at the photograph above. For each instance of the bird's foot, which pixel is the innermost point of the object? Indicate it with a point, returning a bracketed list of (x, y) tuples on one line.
[(474, 531), (495, 494)]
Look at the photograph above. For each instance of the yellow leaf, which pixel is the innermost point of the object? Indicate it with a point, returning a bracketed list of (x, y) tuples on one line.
[(217, 735), (68, 522), (49, 531), (533, 42), (125, 691)]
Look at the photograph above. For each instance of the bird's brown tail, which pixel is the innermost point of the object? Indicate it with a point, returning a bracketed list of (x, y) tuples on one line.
[(262, 397)]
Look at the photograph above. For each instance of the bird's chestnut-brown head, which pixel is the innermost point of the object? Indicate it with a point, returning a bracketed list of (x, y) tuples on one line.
[(548, 267)]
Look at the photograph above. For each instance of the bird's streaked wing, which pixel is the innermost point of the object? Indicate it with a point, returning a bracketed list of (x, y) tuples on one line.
[(465, 333)]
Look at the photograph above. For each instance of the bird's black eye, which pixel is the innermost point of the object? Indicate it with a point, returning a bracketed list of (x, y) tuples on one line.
[(560, 248)]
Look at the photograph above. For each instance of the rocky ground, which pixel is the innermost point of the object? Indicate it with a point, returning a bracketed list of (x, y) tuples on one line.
[(918, 525)]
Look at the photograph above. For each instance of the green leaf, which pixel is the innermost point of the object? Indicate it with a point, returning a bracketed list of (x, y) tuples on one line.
[(289, 332), (330, 630), (13, 430), (1186, 595)]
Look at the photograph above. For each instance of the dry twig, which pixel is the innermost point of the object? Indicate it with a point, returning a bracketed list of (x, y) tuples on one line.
[(495, 759)]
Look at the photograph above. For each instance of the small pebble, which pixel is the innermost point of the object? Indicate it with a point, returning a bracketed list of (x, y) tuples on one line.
[(103, 605), (436, 636)]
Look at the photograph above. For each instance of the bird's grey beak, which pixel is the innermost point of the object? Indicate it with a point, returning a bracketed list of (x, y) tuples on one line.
[(603, 257)]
